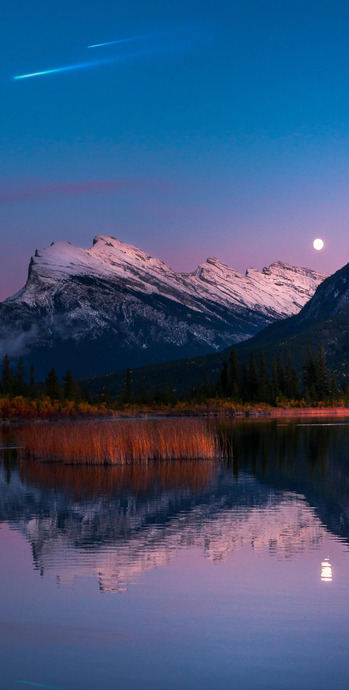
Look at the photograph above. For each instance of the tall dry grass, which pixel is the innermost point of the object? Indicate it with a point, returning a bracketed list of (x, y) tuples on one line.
[(119, 442)]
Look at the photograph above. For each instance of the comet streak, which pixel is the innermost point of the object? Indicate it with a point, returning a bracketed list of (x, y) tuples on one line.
[(81, 65), (127, 40)]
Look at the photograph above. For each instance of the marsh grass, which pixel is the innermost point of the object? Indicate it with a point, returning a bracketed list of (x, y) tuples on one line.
[(119, 442)]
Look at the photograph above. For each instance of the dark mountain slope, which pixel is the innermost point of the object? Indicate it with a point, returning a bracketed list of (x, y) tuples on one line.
[(323, 320)]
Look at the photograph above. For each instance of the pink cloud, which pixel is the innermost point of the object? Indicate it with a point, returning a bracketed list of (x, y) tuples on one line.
[(39, 191)]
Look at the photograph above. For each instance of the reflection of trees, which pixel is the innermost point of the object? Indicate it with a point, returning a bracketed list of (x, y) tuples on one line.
[(93, 481), (8, 453), (9, 460), (288, 448), (310, 458)]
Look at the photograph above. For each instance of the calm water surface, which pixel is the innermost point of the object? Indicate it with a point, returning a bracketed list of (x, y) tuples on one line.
[(226, 574)]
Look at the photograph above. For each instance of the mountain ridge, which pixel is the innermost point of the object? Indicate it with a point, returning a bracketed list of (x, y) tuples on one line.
[(113, 306), (324, 320)]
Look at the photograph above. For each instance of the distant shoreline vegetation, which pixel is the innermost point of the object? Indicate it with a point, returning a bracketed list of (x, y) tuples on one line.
[(242, 388)]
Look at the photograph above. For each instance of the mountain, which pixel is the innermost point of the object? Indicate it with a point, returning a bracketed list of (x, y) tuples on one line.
[(323, 320), (113, 306)]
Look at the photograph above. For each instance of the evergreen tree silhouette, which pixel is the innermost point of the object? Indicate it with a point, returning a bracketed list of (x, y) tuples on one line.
[(224, 380), (292, 390), (32, 386), (308, 371), (264, 383), (52, 387), (19, 385), (233, 376), (6, 377), (68, 386), (281, 375), (252, 379), (322, 379), (274, 383)]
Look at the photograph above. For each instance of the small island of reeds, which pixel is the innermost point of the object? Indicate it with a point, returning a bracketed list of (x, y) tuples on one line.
[(119, 442)]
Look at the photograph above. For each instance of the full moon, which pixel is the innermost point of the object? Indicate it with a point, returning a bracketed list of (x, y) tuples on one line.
[(318, 244)]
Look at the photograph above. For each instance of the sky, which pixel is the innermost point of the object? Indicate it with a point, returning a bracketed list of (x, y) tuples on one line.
[(205, 128)]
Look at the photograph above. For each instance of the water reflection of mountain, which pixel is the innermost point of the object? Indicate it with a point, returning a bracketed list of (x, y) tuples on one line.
[(282, 489), (122, 534)]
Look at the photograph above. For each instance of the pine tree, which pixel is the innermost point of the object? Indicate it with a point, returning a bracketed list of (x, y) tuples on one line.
[(52, 387), (264, 383), (107, 397), (68, 386), (223, 386), (148, 396), (281, 375), (292, 390), (274, 384), (308, 371), (205, 388), (126, 395), (334, 390), (82, 392), (234, 376), (7, 377), (167, 395), (140, 395), (252, 379), (244, 382), (322, 379), (158, 394), (32, 386), (19, 386)]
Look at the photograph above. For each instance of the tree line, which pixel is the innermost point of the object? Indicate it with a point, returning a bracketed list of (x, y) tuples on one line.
[(250, 381), (16, 381), (253, 381)]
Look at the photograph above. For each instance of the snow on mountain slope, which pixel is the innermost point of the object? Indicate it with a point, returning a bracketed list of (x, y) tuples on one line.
[(280, 289), (118, 306)]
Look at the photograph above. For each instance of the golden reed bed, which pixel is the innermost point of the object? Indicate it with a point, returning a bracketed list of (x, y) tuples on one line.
[(119, 442)]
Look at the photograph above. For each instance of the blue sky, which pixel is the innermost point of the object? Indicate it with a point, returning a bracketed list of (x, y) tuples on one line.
[(222, 130)]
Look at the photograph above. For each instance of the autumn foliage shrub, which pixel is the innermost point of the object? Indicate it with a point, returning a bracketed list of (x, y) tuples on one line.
[(21, 408)]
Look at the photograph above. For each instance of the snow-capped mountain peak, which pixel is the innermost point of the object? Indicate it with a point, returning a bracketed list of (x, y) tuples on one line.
[(116, 297)]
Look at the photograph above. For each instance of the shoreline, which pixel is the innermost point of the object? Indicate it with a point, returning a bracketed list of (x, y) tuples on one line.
[(219, 412), (296, 412)]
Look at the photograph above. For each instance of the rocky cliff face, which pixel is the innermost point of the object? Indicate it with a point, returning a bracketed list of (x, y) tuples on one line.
[(112, 306)]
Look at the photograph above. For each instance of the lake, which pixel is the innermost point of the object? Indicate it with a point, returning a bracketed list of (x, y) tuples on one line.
[(229, 571)]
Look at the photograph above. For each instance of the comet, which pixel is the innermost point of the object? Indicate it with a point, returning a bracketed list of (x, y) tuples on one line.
[(113, 43), (67, 68), (153, 50), (126, 40)]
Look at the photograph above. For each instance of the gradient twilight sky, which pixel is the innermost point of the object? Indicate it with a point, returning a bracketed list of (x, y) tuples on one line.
[(221, 129)]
